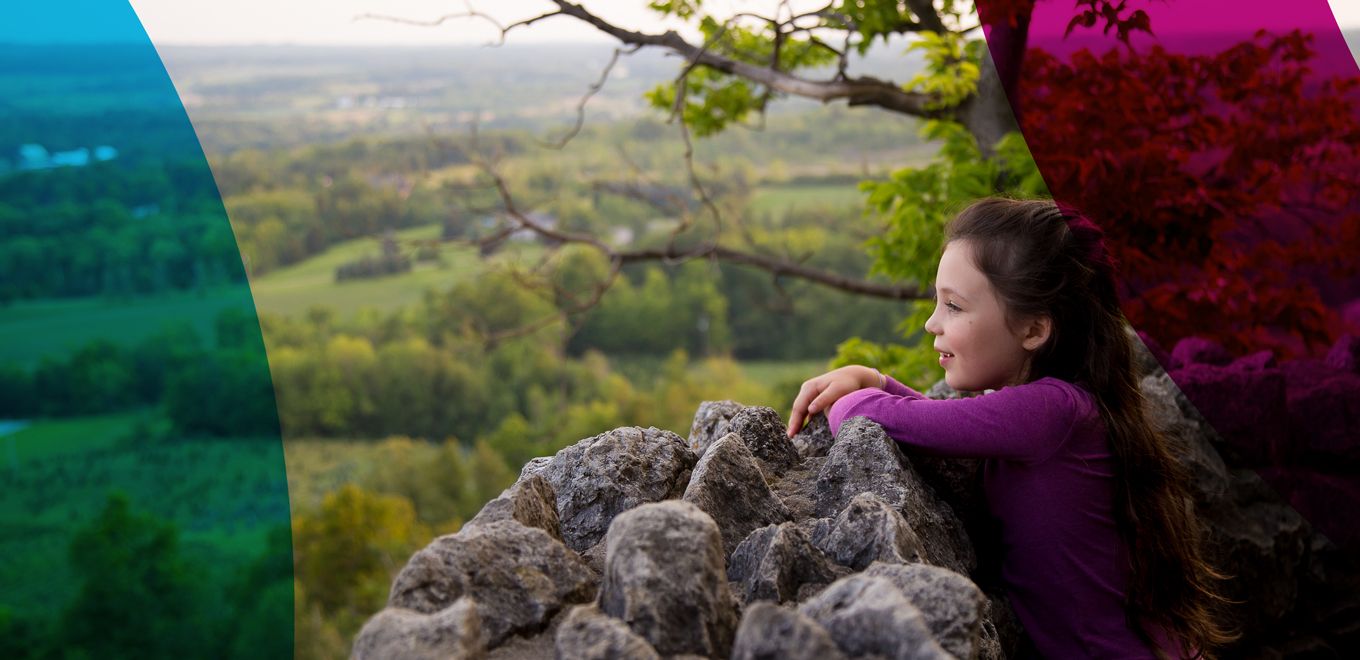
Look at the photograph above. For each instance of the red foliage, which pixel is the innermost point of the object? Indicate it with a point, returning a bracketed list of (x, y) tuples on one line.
[(1225, 183)]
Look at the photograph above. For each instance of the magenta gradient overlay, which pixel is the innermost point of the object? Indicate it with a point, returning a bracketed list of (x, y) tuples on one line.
[(1294, 418)]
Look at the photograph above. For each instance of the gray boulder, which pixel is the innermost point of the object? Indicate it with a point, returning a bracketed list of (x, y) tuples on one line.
[(588, 634), (530, 502), (728, 485), (710, 423), (401, 634), (815, 438), (602, 476), (764, 434), (865, 531), (770, 632), (865, 460), (775, 563), (664, 577), (519, 576), (867, 615), (952, 605)]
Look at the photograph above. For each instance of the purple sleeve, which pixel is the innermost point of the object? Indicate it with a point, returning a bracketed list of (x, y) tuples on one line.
[(891, 386), (1026, 423)]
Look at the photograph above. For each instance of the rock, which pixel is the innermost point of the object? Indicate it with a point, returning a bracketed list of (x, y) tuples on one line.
[(797, 489), (868, 615), (728, 485), (1324, 416), (1263, 544), (952, 605), (602, 476), (519, 576), (401, 634), (1246, 406), (534, 466), (774, 563), (815, 438), (1188, 438), (868, 530), (530, 502), (1149, 356), (1002, 634), (594, 557), (865, 460), (589, 634), (768, 632), (1345, 354), (1198, 350), (765, 435), (710, 424), (664, 577)]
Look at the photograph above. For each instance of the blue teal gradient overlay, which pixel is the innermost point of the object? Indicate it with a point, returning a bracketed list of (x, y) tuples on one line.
[(143, 499)]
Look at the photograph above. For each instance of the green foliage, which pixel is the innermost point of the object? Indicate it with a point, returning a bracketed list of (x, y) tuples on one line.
[(952, 67), (346, 553), (713, 99), (139, 597)]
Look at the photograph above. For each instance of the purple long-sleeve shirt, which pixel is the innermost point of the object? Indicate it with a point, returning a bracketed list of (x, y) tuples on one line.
[(1048, 478)]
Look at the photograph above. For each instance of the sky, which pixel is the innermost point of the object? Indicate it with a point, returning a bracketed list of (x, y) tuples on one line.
[(333, 22)]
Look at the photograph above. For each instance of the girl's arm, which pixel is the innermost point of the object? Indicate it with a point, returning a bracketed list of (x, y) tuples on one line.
[(1026, 423)]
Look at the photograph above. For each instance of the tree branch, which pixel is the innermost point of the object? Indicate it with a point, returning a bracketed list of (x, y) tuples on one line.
[(862, 90), (671, 253)]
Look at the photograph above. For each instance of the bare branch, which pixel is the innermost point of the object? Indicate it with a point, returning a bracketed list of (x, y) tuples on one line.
[(862, 90), (776, 266), (470, 13), (581, 105)]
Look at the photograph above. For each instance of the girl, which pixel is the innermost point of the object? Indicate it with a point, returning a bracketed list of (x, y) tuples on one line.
[(1100, 550)]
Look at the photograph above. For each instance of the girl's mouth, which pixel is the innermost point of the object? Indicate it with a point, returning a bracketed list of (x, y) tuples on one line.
[(945, 357)]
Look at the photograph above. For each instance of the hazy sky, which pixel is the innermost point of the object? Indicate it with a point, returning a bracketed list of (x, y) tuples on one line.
[(333, 21)]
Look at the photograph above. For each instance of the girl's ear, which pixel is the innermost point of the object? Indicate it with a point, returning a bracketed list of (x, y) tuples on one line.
[(1035, 332)]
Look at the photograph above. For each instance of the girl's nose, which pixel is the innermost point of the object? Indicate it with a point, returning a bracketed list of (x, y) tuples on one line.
[(932, 326)]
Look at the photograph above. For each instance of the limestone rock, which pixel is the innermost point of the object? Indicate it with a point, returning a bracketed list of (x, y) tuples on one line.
[(952, 605), (519, 576), (589, 634), (865, 460), (776, 561), (530, 502), (815, 438), (401, 634), (710, 423), (764, 434), (728, 485), (768, 631), (602, 476), (868, 615), (868, 530), (664, 577)]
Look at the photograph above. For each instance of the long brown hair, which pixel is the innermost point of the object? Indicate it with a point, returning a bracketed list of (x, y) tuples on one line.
[(1043, 259)]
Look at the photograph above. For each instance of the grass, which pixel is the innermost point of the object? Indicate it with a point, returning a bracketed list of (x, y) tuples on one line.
[(292, 290), (31, 330), (777, 200), (57, 437)]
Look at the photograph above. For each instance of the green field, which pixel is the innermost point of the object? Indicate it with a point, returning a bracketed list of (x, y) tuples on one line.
[(292, 290), (779, 199), (30, 330)]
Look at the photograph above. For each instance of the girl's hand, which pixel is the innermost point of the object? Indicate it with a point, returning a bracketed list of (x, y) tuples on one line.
[(819, 393)]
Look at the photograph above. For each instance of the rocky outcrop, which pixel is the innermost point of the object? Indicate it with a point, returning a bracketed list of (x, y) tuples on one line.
[(738, 543)]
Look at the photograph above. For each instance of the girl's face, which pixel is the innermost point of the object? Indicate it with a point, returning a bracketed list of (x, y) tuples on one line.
[(978, 350)]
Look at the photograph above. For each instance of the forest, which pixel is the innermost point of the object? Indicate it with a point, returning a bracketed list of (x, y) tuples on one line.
[(420, 350)]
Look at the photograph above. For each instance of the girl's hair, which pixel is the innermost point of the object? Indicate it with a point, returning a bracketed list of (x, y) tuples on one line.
[(1042, 259)]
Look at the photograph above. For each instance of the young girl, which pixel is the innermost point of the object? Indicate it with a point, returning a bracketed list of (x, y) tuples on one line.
[(1100, 551)]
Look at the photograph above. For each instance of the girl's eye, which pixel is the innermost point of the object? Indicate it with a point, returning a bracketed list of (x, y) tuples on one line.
[(953, 307)]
